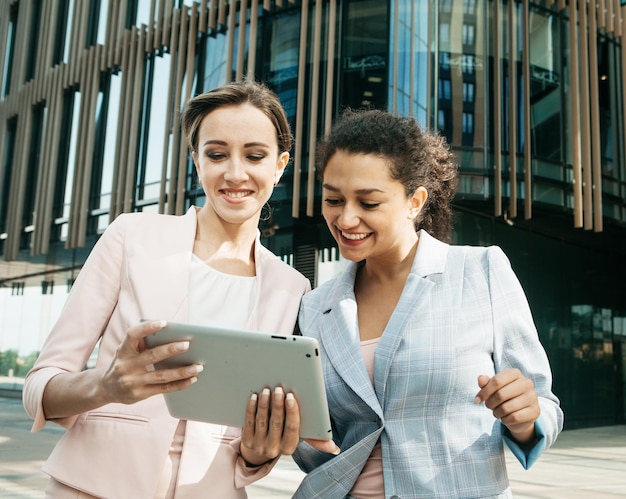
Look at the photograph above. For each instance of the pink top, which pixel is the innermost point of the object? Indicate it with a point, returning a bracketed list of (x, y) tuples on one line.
[(370, 484)]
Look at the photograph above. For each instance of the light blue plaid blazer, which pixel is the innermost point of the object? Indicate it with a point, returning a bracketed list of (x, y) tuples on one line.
[(462, 313)]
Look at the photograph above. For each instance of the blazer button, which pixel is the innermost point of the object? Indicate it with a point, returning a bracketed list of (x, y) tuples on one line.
[(394, 497)]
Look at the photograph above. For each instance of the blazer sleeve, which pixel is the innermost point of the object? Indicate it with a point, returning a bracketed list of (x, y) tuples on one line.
[(83, 319), (517, 345)]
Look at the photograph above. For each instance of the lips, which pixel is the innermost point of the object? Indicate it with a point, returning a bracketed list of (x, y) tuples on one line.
[(236, 194), (354, 237)]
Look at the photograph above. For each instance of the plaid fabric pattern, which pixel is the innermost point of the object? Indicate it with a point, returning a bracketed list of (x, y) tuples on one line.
[(462, 313)]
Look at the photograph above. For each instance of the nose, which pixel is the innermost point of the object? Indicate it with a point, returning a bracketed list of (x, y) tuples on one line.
[(236, 170), (348, 217)]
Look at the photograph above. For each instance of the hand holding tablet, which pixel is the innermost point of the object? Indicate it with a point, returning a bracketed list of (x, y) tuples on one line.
[(238, 363)]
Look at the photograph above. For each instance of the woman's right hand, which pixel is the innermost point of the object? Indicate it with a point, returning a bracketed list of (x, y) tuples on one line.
[(131, 377)]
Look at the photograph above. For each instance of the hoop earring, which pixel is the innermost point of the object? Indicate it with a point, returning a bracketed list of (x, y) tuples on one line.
[(266, 213)]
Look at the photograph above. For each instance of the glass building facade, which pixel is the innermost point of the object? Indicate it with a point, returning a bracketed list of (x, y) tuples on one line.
[(531, 96)]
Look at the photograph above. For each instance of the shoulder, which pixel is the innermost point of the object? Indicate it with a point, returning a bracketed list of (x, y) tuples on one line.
[(478, 255), (319, 293), (152, 226), (273, 266)]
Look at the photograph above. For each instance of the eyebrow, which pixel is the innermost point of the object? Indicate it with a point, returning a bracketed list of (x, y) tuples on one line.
[(332, 188), (224, 143)]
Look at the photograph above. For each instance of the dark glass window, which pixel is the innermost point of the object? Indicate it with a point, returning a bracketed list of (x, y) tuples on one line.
[(364, 48)]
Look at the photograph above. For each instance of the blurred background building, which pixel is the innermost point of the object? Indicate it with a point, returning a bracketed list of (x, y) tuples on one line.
[(530, 95)]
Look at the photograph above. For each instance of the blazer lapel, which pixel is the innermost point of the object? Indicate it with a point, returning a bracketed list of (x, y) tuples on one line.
[(430, 259), (339, 336), (162, 274)]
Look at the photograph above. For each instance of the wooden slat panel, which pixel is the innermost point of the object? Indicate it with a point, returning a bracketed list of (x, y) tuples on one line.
[(617, 22), (512, 119), (18, 176), (202, 23), (119, 170), (177, 69), (179, 168), (93, 75), (44, 46), (497, 112), (252, 42), (168, 19), (330, 68), (213, 16), (55, 120), (166, 195), (111, 32), (230, 34), (601, 14), (528, 199), (22, 46), (241, 44), (297, 161), (159, 25), (585, 126), (412, 79), (183, 150), (73, 222), (315, 83), (394, 77), (47, 171), (596, 140), (221, 15), (623, 75), (430, 67), (575, 116)]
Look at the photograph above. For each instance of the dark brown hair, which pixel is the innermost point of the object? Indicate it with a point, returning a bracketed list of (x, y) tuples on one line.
[(417, 157), (233, 94)]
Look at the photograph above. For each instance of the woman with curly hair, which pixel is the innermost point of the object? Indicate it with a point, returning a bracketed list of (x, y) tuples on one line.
[(431, 357)]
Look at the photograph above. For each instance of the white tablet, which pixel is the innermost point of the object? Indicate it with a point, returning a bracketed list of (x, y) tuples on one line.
[(237, 363)]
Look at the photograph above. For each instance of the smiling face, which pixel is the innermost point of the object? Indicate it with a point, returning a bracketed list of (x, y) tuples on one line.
[(368, 213), (238, 162)]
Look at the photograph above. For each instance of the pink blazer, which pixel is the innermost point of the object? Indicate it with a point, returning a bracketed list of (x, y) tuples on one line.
[(139, 269)]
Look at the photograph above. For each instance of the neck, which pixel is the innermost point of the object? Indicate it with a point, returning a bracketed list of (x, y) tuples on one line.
[(220, 244)]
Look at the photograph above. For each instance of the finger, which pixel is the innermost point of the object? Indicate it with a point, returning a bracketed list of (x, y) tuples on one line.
[(159, 353), (291, 432), (133, 341), (247, 434), (495, 383), (521, 416), (262, 418), (512, 396), (167, 376), (274, 436), (277, 416)]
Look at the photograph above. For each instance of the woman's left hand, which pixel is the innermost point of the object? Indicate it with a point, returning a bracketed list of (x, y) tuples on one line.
[(271, 428), (512, 398)]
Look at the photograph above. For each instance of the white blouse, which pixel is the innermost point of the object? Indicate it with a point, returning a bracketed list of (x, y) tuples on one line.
[(219, 299)]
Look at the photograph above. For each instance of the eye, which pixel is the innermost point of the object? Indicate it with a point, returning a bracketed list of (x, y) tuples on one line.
[(215, 156), (332, 201), (255, 158), (370, 206)]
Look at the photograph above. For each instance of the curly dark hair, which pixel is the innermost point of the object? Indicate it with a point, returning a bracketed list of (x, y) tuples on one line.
[(417, 157)]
